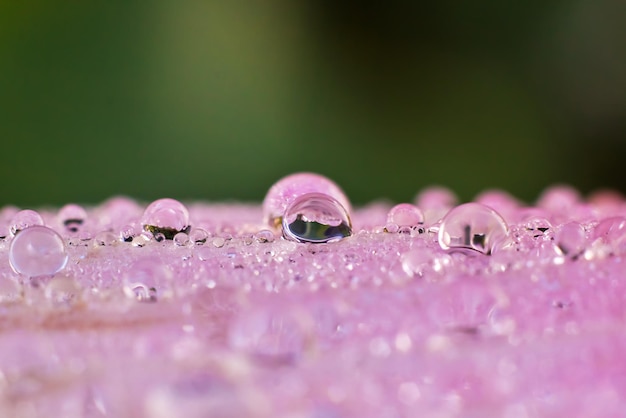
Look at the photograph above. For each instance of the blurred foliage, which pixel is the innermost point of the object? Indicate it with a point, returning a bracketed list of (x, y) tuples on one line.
[(217, 100)]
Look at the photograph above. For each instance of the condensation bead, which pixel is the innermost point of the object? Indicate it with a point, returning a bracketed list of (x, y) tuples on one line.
[(289, 188), (264, 235), (147, 280), (405, 214), (167, 216), (25, 219), (472, 226), (37, 251), (198, 236), (435, 202), (104, 238), (571, 239), (63, 292), (316, 218), (611, 230), (181, 239), (72, 216)]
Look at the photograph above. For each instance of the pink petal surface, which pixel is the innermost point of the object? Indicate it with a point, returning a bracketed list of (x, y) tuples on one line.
[(242, 324)]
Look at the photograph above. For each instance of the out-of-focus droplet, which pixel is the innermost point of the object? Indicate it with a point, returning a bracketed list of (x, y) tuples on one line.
[(472, 226), (435, 202), (148, 280), (316, 218), (405, 214), (166, 216), (72, 217), (291, 187), (37, 251), (25, 219), (264, 235), (104, 239), (570, 239), (63, 291)]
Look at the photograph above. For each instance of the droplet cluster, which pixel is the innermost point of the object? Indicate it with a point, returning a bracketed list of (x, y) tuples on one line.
[(305, 306)]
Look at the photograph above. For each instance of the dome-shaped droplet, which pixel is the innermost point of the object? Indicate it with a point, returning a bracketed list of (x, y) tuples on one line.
[(72, 217), (570, 238), (405, 214), (316, 218), (289, 188), (37, 251), (166, 216), (472, 226), (147, 280), (25, 219)]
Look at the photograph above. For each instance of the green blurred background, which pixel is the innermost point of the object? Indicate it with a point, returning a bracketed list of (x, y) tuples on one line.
[(216, 100)]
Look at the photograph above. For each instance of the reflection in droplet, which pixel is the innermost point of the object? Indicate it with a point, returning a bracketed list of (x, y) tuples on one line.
[(72, 216), (472, 226), (37, 251), (571, 239), (316, 218), (166, 216), (198, 236), (25, 219), (405, 214), (286, 190)]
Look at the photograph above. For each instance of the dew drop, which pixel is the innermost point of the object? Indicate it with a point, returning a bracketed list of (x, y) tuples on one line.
[(63, 292), (611, 229), (291, 187), (37, 251), (198, 236), (181, 239), (166, 216), (72, 217), (570, 239), (316, 218), (405, 214), (25, 219), (104, 238), (264, 235), (472, 226), (147, 280)]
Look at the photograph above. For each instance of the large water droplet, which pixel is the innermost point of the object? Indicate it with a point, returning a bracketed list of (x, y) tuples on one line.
[(166, 216), (24, 219), (571, 239), (37, 251), (316, 218), (405, 214), (289, 188), (72, 217), (472, 226)]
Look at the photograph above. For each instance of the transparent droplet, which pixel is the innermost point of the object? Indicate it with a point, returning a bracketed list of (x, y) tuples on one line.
[(128, 233), (63, 291), (264, 235), (611, 230), (72, 217), (181, 239), (167, 216), (571, 239), (435, 202), (316, 218), (405, 214), (559, 199), (37, 251), (104, 238), (472, 226), (198, 236), (289, 188), (147, 280), (25, 219)]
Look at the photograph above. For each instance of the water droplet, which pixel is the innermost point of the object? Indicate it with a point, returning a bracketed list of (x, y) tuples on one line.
[(37, 251), (472, 226), (316, 218), (63, 292), (611, 229), (289, 188), (10, 290), (167, 216), (72, 217), (105, 238), (218, 242), (559, 199), (128, 233), (435, 203), (264, 235), (181, 239), (571, 238), (24, 219), (147, 280), (198, 236), (405, 214)]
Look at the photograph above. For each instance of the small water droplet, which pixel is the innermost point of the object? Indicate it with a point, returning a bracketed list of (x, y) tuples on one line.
[(128, 233), (472, 226), (291, 187), (316, 218), (104, 238), (181, 239), (571, 239), (405, 214), (37, 251), (218, 242), (166, 216), (198, 236), (147, 280), (25, 219), (63, 292), (264, 235), (72, 217)]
